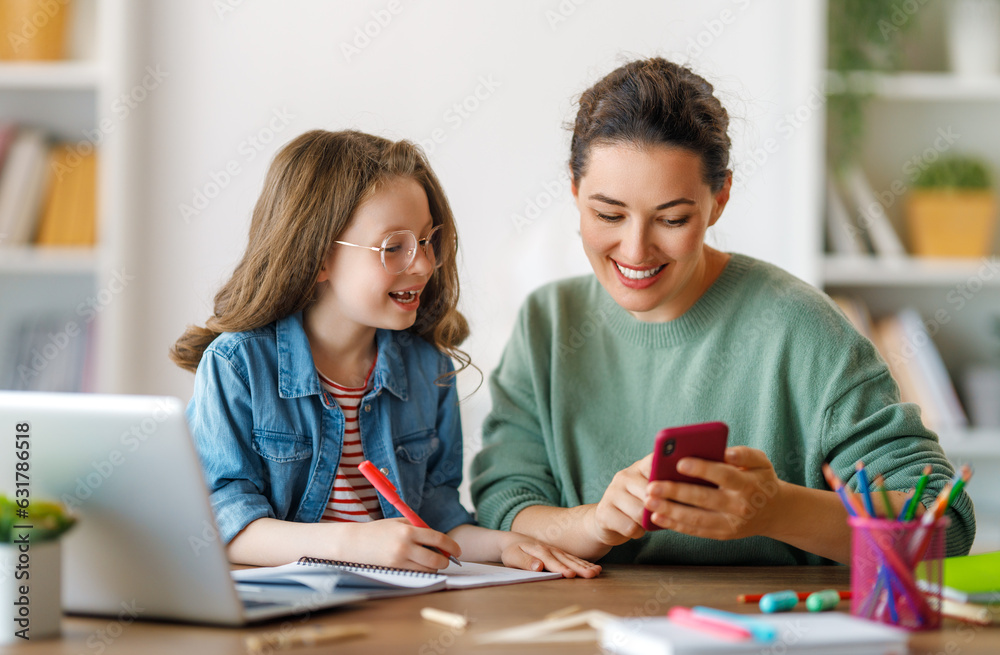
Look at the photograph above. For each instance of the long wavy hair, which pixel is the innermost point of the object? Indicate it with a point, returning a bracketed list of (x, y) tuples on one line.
[(312, 189)]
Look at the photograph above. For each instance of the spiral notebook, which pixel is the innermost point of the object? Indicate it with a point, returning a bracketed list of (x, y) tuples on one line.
[(330, 577)]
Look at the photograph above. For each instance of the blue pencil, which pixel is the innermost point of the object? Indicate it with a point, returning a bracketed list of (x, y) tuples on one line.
[(866, 495)]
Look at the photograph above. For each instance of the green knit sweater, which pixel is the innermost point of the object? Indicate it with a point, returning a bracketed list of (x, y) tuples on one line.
[(583, 387)]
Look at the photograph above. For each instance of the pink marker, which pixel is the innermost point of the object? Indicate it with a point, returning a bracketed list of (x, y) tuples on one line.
[(723, 629)]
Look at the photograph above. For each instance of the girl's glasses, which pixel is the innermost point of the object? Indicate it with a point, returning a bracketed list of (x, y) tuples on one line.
[(399, 249)]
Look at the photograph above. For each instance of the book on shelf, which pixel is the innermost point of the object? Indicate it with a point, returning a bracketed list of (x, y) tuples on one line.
[(48, 194), (23, 180), (914, 361), (870, 215), (49, 353), (71, 207), (843, 234), (932, 369), (981, 386)]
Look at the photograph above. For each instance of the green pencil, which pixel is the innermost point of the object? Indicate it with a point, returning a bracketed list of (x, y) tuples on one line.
[(911, 511), (890, 513), (964, 474)]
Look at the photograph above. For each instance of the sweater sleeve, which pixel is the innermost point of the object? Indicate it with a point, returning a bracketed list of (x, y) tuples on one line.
[(868, 423), (513, 470)]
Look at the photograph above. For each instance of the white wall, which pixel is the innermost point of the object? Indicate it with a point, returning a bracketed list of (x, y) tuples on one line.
[(231, 73)]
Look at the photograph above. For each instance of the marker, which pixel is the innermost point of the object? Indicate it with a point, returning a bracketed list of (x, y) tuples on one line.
[(384, 487), (713, 626), (822, 601), (778, 601), (761, 630)]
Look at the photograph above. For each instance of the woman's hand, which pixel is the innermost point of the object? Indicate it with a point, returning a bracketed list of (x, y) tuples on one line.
[(746, 503), (618, 516), (400, 544), (524, 552)]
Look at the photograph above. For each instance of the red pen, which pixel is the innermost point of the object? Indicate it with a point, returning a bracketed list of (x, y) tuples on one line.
[(384, 487), (802, 595)]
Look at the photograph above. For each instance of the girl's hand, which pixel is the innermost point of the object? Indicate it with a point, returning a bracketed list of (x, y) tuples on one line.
[(747, 502), (618, 517), (524, 552), (400, 544)]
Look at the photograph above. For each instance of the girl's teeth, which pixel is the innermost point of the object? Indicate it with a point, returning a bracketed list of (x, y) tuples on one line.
[(404, 296), (638, 275)]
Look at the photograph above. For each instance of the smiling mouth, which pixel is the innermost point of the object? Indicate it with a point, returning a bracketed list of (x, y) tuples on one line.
[(404, 297), (634, 274)]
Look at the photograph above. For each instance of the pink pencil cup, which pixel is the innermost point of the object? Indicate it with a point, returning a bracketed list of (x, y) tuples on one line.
[(896, 571)]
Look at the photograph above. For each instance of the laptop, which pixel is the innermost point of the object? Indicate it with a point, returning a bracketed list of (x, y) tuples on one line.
[(146, 541)]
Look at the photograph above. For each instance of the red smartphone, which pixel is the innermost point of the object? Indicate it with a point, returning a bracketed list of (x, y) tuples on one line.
[(704, 440)]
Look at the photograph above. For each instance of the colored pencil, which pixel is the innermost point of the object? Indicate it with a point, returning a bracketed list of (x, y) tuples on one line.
[(851, 503), (880, 483), (865, 492), (963, 476), (911, 509)]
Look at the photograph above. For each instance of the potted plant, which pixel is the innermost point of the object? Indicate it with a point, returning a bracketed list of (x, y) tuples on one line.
[(30, 568), (951, 211), (862, 38)]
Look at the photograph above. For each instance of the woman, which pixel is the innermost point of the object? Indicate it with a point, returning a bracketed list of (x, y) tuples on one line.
[(669, 331)]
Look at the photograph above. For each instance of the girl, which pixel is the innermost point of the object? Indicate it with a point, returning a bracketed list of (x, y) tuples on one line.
[(683, 333), (329, 345)]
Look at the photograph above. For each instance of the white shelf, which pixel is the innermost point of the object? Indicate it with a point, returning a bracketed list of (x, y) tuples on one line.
[(915, 86), (908, 271), (61, 75), (971, 444), (31, 260)]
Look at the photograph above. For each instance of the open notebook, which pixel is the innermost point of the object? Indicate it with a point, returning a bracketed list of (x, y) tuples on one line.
[(327, 577)]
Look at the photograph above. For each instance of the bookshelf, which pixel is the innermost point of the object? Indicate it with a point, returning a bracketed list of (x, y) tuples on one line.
[(841, 270), (916, 86), (70, 292), (903, 117), (959, 299)]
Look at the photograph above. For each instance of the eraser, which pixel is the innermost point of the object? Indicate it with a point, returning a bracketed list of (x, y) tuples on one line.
[(778, 601)]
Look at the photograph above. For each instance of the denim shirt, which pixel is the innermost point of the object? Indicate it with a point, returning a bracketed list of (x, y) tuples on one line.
[(270, 437)]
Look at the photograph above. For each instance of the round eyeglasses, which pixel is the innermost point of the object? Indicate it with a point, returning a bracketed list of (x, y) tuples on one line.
[(399, 249)]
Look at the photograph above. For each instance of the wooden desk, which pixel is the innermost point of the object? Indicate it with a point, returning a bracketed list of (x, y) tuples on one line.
[(396, 626)]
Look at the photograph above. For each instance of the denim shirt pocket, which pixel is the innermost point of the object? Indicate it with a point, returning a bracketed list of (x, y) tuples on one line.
[(412, 453), (281, 446)]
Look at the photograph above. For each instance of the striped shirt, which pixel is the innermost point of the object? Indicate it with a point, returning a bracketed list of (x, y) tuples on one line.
[(353, 498)]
